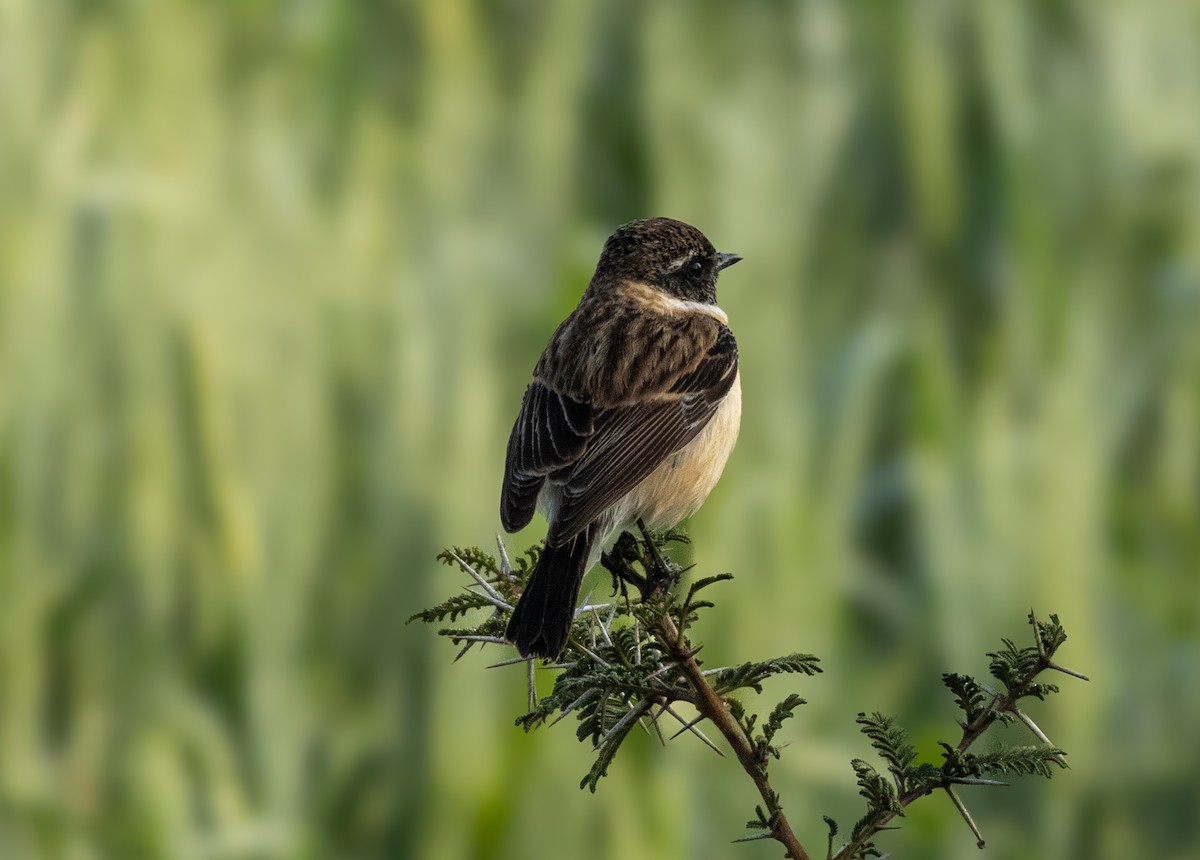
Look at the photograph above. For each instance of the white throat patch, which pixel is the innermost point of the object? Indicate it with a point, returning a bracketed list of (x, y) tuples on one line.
[(662, 302), (670, 303)]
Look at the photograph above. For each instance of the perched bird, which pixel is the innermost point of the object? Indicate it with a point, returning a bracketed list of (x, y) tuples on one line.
[(634, 407)]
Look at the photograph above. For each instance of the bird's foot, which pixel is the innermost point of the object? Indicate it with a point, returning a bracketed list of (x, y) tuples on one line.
[(659, 574), (618, 562)]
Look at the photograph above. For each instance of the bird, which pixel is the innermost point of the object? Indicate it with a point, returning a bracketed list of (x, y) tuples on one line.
[(633, 410)]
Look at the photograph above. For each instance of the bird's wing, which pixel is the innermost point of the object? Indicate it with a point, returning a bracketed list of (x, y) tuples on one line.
[(631, 439), (599, 416), (551, 433)]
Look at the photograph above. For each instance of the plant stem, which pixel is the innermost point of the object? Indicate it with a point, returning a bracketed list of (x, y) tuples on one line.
[(715, 711), (971, 733), (710, 705)]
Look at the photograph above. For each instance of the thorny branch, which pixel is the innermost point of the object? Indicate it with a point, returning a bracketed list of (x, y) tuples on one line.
[(713, 708), (628, 661), (1000, 707)]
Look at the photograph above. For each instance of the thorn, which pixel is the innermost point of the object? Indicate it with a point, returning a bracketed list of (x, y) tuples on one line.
[(575, 704), (590, 653), (686, 726), (532, 685), (670, 664), (632, 714), (499, 604), (657, 728), (1037, 637), (754, 838), (691, 727), (1066, 671), (607, 639), (509, 662), (580, 612), (1032, 726), (464, 650), (962, 810), (483, 583), (642, 721), (977, 780), (487, 640), (637, 642), (588, 607), (505, 564)]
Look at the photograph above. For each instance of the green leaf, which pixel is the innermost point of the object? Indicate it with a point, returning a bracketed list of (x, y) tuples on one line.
[(751, 675), (969, 695), (451, 609), (483, 562), (879, 793), (891, 742), (1013, 666), (1033, 760), (779, 713), (703, 583)]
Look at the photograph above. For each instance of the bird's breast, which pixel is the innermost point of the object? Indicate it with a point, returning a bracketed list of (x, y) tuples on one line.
[(678, 487)]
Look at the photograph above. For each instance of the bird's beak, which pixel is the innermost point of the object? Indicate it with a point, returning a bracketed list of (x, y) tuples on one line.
[(724, 261)]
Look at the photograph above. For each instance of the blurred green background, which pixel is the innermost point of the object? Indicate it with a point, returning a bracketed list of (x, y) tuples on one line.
[(273, 275)]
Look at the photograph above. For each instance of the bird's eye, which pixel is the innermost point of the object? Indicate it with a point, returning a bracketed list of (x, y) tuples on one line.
[(695, 267)]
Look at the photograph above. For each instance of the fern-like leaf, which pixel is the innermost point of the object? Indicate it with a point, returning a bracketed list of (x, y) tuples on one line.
[(1021, 761), (451, 609), (751, 675), (784, 710), (891, 742), (879, 793), (969, 695)]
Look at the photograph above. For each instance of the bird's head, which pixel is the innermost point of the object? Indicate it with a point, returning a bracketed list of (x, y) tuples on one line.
[(670, 255)]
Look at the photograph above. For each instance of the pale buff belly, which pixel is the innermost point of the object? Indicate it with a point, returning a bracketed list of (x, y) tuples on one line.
[(677, 488)]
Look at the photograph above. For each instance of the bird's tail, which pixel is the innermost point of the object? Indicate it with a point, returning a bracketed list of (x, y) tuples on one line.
[(542, 620)]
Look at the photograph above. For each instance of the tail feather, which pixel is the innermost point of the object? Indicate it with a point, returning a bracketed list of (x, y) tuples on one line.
[(542, 619)]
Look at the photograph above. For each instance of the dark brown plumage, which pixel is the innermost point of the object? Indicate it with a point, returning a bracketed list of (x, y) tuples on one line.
[(611, 427)]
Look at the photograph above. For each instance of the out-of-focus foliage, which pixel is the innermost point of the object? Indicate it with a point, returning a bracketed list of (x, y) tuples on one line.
[(272, 278)]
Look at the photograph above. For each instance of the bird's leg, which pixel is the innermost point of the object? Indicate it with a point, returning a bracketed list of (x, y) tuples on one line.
[(661, 575), (617, 563), (620, 571)]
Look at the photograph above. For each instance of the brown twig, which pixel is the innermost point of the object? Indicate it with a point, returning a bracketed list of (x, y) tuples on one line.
[(1001, 703), (714, 709), (970, 735)]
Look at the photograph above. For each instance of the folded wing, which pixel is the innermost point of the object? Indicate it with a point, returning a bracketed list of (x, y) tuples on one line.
[(597, 453)]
